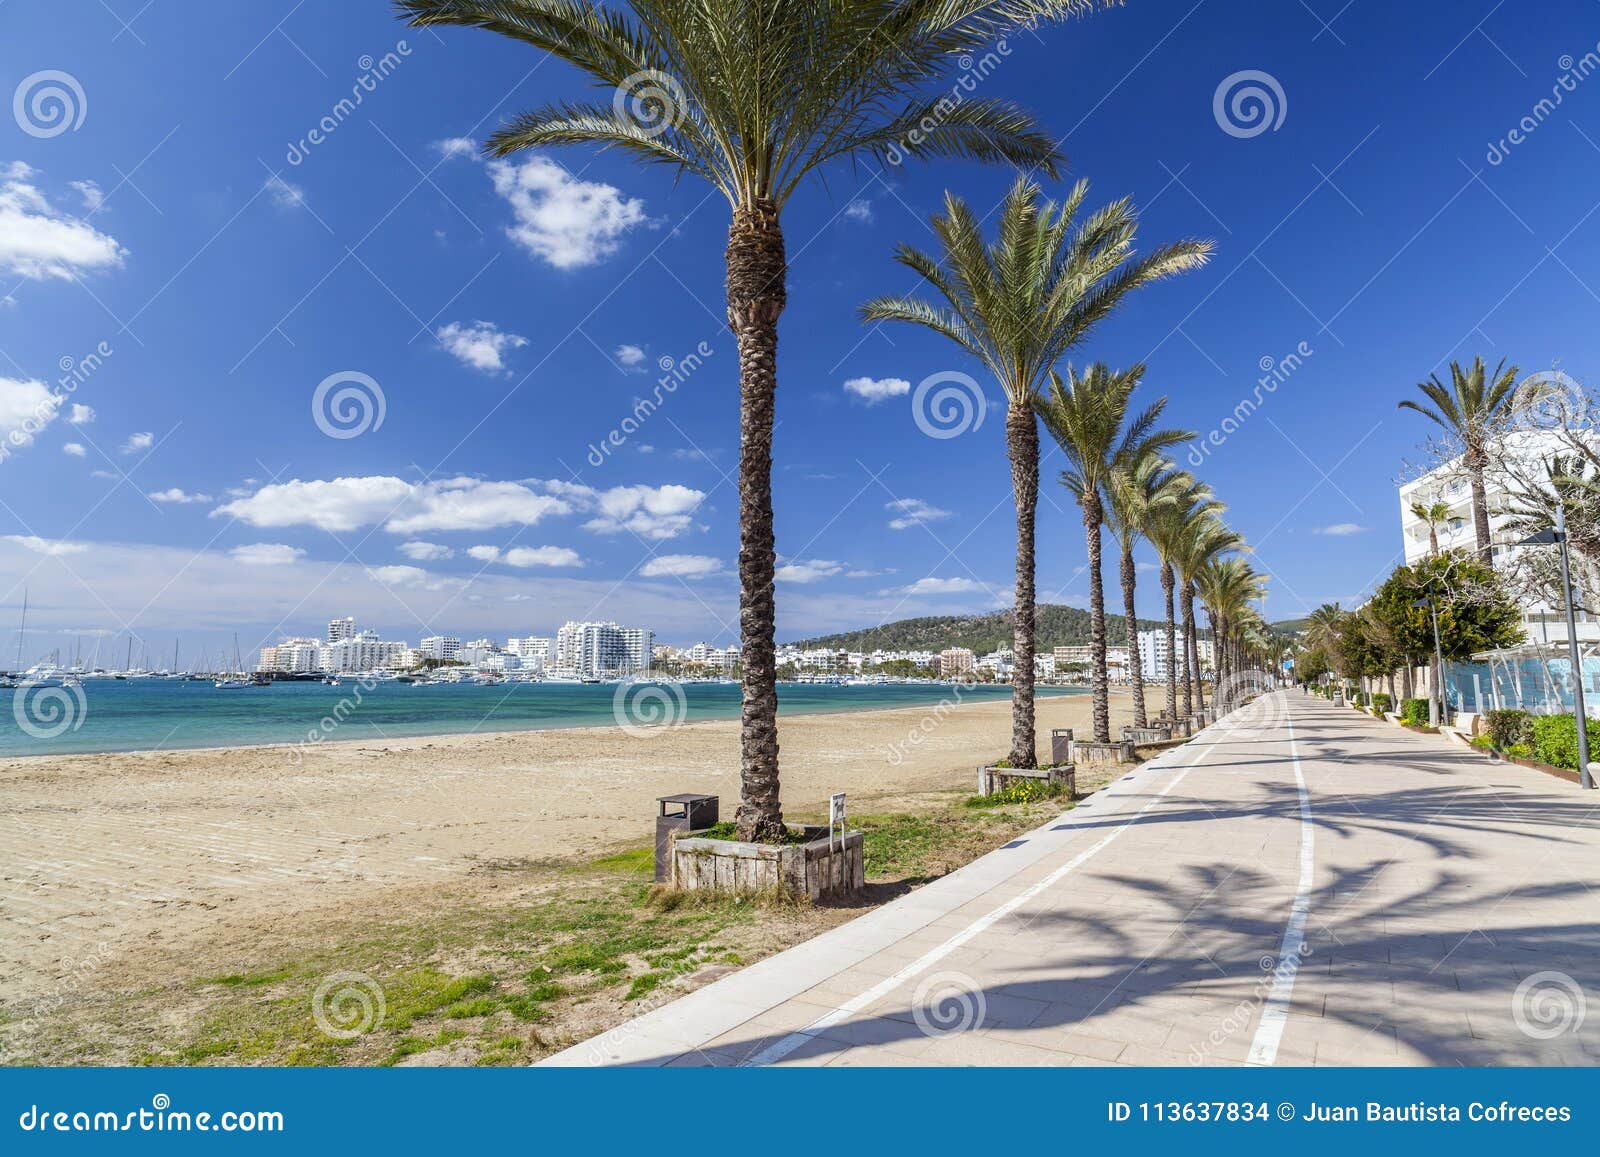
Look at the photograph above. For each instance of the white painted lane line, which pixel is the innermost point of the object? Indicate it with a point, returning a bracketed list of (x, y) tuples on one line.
[(781, 1048), (1269, 1033)]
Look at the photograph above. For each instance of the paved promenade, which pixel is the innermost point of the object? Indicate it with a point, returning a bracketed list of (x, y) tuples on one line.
[(1298, 885)]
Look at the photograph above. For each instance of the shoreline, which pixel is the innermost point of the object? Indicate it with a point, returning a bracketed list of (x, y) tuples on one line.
[(798, 711)]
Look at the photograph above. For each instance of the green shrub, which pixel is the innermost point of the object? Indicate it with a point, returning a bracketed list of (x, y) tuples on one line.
[(1414, 712), (1506, 727), (1555, 740), (1382, 703), (1519, 751)]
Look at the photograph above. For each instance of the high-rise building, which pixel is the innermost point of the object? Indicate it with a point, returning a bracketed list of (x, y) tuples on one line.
[(603, 649), (956, 661), (1153, 654), (443, 648), (339, 629)]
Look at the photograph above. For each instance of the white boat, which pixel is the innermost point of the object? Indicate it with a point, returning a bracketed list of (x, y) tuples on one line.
[(232, 684)]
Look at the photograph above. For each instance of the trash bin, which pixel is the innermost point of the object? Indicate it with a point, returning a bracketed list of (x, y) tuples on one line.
[(680, 813), (1061, 745)]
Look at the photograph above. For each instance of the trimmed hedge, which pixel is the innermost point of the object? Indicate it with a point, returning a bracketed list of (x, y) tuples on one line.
[(1507, 726), (1414, 712), (1555, 740), (1382, 703)]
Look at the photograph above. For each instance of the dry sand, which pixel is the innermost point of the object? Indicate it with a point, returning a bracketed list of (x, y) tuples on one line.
[(109, 858)]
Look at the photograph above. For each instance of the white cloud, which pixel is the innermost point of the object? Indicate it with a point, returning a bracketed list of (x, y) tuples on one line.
[(875, 390), (75, 449), (26, 407), (859, 209), (80, 415), (688, 566), (939, 586), (177, 496), (38, 241), (397, 576), (46, 546), (283, 194), (93, 196), (911, 512), (452, 147), (266, 554), (630, 357), (425, 551), (479, 344), (532, 556), (400, 507), (1340, 529), (565, 221), (484, 553), (810, 571), (652, 512), (137, 442)]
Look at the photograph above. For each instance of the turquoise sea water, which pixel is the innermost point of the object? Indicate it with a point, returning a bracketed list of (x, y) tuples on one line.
[(151, 714)]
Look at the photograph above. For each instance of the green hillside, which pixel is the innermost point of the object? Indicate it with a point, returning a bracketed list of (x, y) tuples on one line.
[(1057, 627)]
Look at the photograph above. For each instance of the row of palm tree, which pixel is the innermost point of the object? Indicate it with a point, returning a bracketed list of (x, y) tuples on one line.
[(756, 96)]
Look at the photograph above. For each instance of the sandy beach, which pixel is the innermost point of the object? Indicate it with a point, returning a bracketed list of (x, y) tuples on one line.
[(107, 858)]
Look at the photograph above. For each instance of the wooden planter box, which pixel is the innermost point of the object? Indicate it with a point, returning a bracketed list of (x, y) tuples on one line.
[(1115, 752), (1534, 765), (993, 780), (820, 869)]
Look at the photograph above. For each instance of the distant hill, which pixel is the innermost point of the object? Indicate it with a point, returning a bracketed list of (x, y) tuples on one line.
[(1057, 627)]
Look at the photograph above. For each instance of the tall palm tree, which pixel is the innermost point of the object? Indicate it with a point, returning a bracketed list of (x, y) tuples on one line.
[(1018, 306), (1433, 514), (1139, 491), (754, 96), (1471, 411), (1167, 530), (1227, 586), (1091, 420), (1204, 539), (1322, 627)]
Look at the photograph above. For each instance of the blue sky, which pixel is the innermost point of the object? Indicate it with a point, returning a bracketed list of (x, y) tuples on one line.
[(510, 316)]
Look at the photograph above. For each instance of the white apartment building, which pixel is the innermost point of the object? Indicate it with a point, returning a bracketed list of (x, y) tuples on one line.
[(536, 651), (441, 648), (600, 649), (956, 661), (363, 651), (1153, 654), (339, 629), (292, 655), (1448, 484)]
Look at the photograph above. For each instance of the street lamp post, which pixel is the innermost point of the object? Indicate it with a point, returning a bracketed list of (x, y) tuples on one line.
[(1437, 710), (1580, 710)]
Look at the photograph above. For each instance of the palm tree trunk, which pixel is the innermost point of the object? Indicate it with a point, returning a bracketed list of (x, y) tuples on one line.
[(1188, 667), (1092, 518), (1022, 438), (1135, 662), (1194, 646), (1433, 540), (1167, 583), (1475, 463), (757, 269)]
